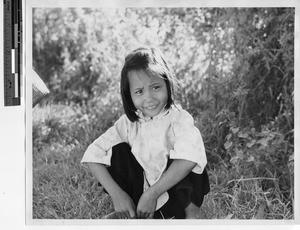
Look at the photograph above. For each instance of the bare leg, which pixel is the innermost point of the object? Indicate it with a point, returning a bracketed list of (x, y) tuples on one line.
[(192, 212)]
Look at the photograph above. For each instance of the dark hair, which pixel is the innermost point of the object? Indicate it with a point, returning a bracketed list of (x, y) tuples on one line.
[(149, 59)]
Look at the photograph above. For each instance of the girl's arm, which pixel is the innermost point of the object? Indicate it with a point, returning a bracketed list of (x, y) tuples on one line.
[(121, 200), (178, 170)]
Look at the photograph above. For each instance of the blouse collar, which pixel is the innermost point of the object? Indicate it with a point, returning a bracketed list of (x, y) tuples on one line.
[(143, 118)]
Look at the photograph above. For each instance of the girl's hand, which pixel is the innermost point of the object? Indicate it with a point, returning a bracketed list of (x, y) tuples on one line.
[(123, 203), (147, 205)]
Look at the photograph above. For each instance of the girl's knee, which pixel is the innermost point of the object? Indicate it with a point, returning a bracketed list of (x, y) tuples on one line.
[(121, 153), (121, 147)]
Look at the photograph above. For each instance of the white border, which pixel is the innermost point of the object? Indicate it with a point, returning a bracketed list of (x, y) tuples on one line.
[(142, 3), (160, 3), (296, 114)]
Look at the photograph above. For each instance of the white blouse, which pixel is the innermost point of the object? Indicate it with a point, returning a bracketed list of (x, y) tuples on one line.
[(169, 135)]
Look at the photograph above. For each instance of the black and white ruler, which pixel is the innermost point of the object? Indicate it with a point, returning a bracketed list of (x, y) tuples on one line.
[(12, 41)]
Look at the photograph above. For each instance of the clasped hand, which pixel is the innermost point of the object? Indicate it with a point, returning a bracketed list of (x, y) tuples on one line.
[(147, 205), (145, 209)]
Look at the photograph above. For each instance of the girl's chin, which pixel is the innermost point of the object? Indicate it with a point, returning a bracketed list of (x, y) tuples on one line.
[(148, 113)]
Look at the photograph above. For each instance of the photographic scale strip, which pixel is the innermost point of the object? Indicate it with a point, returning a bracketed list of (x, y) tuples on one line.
[(12, 41)]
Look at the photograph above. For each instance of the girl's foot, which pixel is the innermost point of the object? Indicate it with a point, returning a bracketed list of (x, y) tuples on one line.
[(192, 212)]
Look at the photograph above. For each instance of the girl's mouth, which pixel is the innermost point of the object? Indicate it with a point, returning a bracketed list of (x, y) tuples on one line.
[(151, 107)]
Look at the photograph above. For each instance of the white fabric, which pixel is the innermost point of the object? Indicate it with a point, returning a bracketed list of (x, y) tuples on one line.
[(169, 135)]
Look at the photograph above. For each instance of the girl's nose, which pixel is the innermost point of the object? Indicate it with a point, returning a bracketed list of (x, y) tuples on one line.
[(148, 95)]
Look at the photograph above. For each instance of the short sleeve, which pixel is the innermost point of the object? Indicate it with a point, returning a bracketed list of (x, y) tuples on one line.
[(100, 150), (188, 143)]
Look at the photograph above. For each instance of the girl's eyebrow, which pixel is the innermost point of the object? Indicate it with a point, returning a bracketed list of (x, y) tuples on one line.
[(155, 83), (138, 88)]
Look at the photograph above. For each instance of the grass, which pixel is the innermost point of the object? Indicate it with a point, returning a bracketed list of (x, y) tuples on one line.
[(63, 189)]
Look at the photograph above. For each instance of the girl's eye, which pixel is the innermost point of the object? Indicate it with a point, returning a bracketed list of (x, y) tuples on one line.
[(156, 87), (138, 92)]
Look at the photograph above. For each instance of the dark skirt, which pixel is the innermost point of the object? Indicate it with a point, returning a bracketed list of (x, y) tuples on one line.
[(128, 174)]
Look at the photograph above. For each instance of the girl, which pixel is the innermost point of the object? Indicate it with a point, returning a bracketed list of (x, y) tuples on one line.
[(152, 160)]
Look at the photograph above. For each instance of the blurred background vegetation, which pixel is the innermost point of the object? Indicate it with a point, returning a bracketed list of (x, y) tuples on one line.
[(236, 68)]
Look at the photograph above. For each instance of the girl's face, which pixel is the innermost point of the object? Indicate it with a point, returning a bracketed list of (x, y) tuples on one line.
[(148, 92)]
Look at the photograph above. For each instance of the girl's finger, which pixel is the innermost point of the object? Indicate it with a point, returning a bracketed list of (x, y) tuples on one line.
[(143, 215), (131, 214), (149, 215), (146, 215), (138, 213), (127, 214)]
